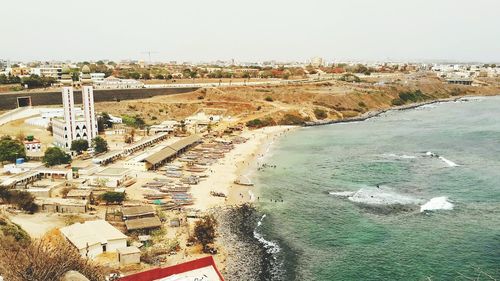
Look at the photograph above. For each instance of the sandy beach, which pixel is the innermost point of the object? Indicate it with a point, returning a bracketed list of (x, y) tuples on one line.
[(241, 161)]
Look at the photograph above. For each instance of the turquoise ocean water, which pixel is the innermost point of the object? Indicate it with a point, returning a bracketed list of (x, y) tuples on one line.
[(319, 236)]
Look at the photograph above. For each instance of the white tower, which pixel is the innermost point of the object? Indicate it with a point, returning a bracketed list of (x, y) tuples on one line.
[(90, 130), (69, 108)]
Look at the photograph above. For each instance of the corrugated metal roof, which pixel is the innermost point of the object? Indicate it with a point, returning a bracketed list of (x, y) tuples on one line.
[(160, 155), (143, 223), (185, 142), (137, 210), (172, 149)]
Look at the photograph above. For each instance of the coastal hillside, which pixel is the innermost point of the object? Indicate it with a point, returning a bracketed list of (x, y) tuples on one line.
[(295, 104)]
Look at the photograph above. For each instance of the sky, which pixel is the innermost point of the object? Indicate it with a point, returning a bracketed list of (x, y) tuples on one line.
[(256, 30)]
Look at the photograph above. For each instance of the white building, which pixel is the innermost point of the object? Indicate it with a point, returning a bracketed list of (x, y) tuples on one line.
[(72, 126), (54, 72), (165, 126), (92, 238), (317, 62), (112, 82), (97, 77)]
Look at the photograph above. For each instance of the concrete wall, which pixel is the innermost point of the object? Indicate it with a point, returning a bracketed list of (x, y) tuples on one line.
[(114, 245), (9, 100), (93, 251), (126, 259)]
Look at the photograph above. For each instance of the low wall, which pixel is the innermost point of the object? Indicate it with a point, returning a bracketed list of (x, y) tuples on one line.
[(9, 100)]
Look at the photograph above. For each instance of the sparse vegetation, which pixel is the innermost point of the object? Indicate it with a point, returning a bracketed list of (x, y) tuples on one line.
[(290, 119), (21, 199), (43, 259), (320, 113), (204, 230), (410, 97), (112, 197), (258, 123)]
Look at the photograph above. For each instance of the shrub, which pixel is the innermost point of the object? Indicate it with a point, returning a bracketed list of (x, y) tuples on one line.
[(269, 99), (44, 259), (290, 119), (258, 123), (320, 113), (113, 197), (397, 102), (361, 104), (204, 230), (21, 199)]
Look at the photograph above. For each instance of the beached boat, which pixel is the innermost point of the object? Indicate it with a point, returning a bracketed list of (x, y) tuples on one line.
[(243, 180)]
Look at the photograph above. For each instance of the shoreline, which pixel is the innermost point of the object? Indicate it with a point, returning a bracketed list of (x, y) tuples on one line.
[(374, 113), (235, 239)]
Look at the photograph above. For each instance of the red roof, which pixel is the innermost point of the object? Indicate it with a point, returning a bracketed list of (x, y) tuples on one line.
[(159, 273)]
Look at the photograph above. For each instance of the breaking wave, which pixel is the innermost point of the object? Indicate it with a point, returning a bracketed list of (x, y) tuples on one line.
[(448, 162), (437, 203)]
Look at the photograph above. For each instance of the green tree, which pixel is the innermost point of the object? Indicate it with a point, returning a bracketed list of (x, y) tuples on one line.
[(11, 149), (79, 145), (99, 144), (55, 156), (113, 197)]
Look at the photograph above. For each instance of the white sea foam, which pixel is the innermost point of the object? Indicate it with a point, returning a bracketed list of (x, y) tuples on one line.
[(270, 246), (252, 196), (342, 193), (450, 163), (382, 196), (437, 203), (404, 156)]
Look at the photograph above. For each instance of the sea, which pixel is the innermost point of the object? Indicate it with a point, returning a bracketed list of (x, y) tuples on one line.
[(407, 195)]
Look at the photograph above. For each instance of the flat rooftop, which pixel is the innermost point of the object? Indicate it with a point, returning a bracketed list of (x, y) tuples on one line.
[(112, 172)]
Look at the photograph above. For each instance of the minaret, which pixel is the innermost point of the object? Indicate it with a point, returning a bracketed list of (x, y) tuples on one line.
[(69, 107), (88, 104)]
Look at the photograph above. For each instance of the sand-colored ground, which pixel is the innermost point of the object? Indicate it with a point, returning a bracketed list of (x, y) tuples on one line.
[(235, 164)]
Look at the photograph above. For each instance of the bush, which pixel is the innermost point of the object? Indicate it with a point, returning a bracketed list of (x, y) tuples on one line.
[(397, 102), (47, 259), (21, 199), (113, 197), (269, 99), (361, 104), (320, 113), (55, 156), (290, 119), (204, 230), (257, 123), (349, 77), (133, 121)]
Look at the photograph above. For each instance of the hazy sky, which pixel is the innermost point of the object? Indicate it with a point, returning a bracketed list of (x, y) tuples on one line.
[(461, 30)]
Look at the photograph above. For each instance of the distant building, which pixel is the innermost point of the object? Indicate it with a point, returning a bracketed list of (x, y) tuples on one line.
[(317, 62), (97, 77), (54, 72), (112, 82), (72, 127), (92, 238)]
